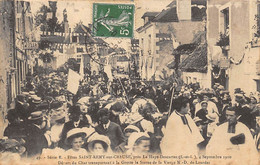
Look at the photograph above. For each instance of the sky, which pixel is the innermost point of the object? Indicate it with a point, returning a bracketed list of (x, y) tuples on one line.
[(81, 10)]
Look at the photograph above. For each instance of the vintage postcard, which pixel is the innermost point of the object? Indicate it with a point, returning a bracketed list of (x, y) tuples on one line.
[(131, 82)]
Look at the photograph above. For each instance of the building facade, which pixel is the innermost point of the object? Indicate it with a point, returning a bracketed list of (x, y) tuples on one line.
[(233, 47), (164, 31)]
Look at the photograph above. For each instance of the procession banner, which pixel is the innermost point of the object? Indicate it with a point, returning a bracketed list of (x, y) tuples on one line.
[(108, 71), (73, 81)]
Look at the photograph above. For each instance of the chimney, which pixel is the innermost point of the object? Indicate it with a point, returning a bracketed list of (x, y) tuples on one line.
[(184, 10)]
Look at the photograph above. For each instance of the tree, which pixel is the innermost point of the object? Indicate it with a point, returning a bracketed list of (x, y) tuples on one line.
[(46, 18)]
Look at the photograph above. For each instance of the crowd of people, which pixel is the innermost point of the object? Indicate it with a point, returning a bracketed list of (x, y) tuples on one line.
[(130, 116)]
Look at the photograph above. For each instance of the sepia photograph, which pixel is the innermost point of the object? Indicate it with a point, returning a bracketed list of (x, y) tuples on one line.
[(132, 82)]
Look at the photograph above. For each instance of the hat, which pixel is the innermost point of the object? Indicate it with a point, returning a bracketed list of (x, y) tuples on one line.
[(204, 102), (25, 93), (43, 106), (134, 118), (35, 115), (134, 137), (197, 119), (211, 116), (12, 145), (56, 105), (97, 137), (36, 100), (221, 87), (239, 95), (132, 127), (32, 93), (75, 132)]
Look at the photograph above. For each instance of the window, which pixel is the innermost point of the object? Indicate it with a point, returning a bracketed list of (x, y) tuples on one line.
[(224, 27), (149, 44), (79, 50), (224, 21), (74, 39)]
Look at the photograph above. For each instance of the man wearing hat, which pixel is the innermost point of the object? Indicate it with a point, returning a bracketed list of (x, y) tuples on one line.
[(21, 106), (233, 138), (243, 110), (35, 102), (15, 128), (35, 138), (74, 122), (110, 129)]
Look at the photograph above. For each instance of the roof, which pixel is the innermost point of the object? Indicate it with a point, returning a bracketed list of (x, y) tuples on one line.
[(100, 41), (196, 61), (150, 14), (168, 15), (80, 28), (86, 39), (185, 49)]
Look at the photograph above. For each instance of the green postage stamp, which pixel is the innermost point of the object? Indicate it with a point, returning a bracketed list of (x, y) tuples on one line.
[(113, 20)]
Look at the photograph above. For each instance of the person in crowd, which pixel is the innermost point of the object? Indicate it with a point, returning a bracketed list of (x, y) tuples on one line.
[(109, 128), (99, 144), (35, 136), (181, 135), (245, 115), (138, 143), (235, 138), (22, 106), (203, 111), (206, 95), (127, 132), (16, 127), (75, 139), (74, 122), (58, 120)]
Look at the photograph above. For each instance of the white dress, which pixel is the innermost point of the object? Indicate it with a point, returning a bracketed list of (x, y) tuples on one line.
[(180, 138), (220, 144)]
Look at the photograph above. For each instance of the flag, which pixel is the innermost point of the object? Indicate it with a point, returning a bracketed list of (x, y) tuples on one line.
[(108, 71), (81, 68), (73, 81)]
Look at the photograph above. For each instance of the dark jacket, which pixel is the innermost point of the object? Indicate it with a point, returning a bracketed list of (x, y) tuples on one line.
[(113, 132), (35, 140)]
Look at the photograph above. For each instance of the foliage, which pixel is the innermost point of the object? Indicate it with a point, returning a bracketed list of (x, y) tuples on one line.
[(48, 24), (70, 64), (257, 27), (40, 70), (223, 40), (46, 57)]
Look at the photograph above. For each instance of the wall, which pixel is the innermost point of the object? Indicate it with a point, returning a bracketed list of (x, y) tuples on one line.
[(241, 33), (6, 59), (189, 77)]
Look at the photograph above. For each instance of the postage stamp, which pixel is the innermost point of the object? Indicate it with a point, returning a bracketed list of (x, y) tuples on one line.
[(113, 20)]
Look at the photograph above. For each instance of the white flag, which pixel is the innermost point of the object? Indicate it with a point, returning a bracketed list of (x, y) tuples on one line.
[(108, 71), (81, 68), (73, 81)]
